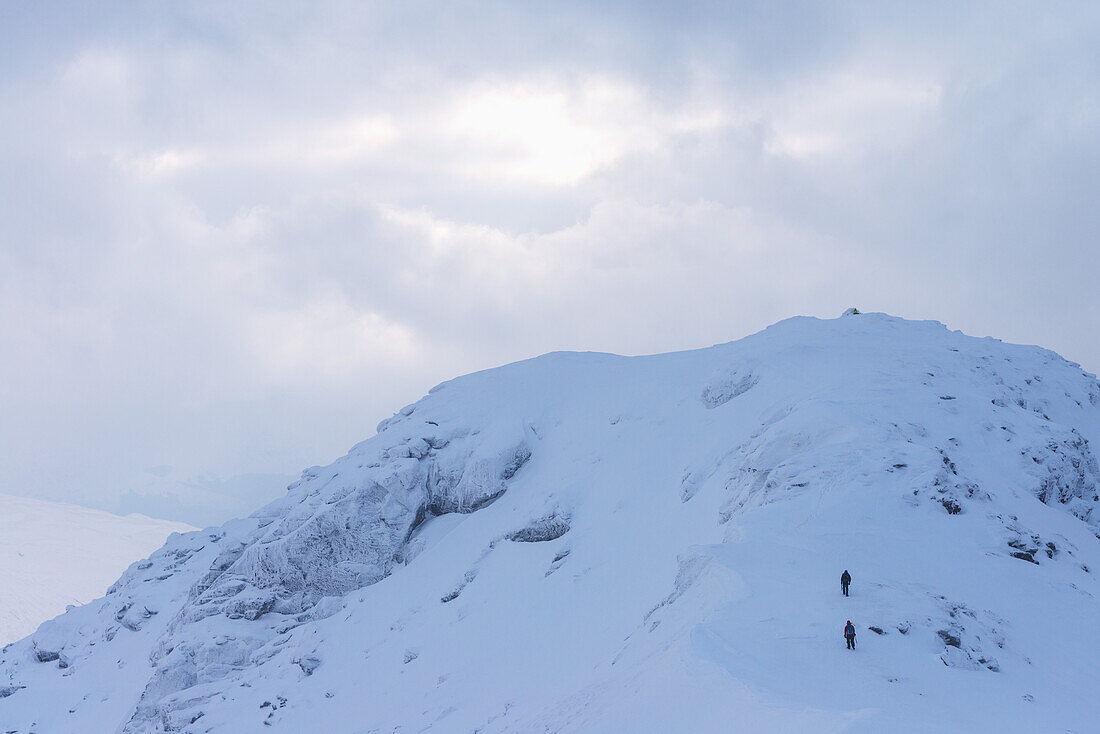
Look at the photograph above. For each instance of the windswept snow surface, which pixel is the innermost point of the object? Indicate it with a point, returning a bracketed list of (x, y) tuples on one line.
[(593, 543), (54, 554)]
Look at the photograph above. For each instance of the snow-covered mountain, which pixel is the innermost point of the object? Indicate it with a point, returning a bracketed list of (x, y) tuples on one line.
[(594, 543), (54, 554)]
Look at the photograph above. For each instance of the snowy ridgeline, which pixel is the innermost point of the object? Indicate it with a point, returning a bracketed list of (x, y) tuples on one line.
[(585, 542)]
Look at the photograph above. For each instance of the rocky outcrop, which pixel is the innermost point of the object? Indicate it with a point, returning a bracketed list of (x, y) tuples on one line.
[(340, 528)]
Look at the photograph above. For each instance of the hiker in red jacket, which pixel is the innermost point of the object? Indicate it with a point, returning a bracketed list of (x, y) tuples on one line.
[(850, 635)]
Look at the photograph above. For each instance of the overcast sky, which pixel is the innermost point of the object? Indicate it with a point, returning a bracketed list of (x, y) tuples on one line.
[(235, 236)]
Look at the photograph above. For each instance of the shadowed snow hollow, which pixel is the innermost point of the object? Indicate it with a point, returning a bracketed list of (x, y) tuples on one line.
[(586, 542)]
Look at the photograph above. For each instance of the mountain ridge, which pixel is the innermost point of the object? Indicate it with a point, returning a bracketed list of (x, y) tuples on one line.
[(630, 525)]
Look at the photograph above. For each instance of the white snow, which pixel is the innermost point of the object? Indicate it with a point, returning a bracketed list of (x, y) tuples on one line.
[(54, 554), (594, 543)]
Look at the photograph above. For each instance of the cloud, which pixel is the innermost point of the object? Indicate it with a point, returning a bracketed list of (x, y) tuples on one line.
[(850, 113), (230, 242), (547, 130)]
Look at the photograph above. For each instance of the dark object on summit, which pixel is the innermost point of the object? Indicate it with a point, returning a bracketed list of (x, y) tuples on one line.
[(845, 580)]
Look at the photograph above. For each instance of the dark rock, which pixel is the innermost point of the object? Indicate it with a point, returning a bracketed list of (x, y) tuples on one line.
[(309, 663), (519, 458), (45, 656), (547, 528)]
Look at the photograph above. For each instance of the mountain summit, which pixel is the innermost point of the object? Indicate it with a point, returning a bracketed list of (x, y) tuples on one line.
[(595, 543)]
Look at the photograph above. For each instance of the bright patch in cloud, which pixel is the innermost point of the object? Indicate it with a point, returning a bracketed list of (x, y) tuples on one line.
[(555, 133)]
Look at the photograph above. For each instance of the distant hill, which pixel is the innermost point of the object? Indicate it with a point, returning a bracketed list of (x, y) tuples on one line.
[(54, 554)]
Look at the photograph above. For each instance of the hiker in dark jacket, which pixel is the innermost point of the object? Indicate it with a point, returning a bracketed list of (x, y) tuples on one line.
[(850, 635), (845, 579)]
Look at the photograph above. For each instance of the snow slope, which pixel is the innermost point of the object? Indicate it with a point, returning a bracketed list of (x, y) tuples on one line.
[(54, 554), (594, 543)]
